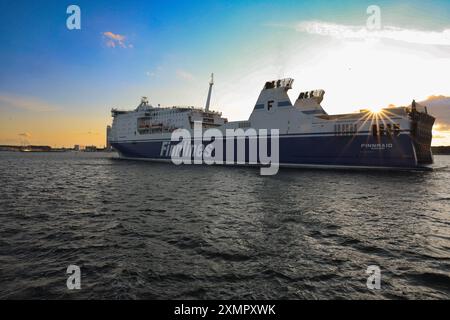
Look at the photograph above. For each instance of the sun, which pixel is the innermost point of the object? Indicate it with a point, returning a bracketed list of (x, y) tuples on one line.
[(376, 109)]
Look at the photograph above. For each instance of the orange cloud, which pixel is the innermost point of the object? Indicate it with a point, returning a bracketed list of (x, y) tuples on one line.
[(439, 107), (438, 97), (113, 36), (113, 40), (440, 126)]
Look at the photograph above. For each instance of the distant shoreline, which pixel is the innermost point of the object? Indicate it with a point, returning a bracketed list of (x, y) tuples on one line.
[(441, 150), (34, 149)]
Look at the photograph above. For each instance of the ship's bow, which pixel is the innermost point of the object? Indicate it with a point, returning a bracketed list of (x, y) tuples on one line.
[(421, 133)]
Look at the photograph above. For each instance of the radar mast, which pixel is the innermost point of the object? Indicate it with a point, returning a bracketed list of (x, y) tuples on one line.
[(208, 100)]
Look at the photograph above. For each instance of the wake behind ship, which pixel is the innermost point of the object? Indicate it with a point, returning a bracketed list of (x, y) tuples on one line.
[(396, 138)]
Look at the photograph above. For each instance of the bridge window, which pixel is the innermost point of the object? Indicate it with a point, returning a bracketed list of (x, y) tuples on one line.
[(345, 129), (244, 124), (270, 85), (389, 129)]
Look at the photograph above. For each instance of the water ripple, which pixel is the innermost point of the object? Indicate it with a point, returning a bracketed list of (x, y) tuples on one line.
[(153, 231)]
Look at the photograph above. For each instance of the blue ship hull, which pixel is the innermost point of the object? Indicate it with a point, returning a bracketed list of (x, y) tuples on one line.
[(309, 151)]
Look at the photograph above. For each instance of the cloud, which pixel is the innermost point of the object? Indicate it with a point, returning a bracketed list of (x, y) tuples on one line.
[(113, 40), (436, 98), (340, 31), (439, 107), (25, 103), (155, 72), (184, 75), (441, 126)]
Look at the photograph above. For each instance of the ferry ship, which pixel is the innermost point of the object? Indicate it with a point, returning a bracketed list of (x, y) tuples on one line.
[(394, 137)]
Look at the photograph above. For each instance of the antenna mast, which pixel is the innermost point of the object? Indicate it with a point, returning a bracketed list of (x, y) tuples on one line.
[(208, 100)]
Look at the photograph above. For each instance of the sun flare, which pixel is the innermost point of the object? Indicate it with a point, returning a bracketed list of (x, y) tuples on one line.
[(376, 109)]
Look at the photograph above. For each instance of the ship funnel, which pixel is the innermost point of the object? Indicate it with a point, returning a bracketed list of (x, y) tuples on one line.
[(208, 100), (144, 101)]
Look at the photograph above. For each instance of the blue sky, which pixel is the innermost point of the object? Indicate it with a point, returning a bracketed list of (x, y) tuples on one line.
[(168, 48)]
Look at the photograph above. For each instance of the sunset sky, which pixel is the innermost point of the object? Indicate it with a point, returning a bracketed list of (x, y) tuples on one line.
[(57, 86)]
